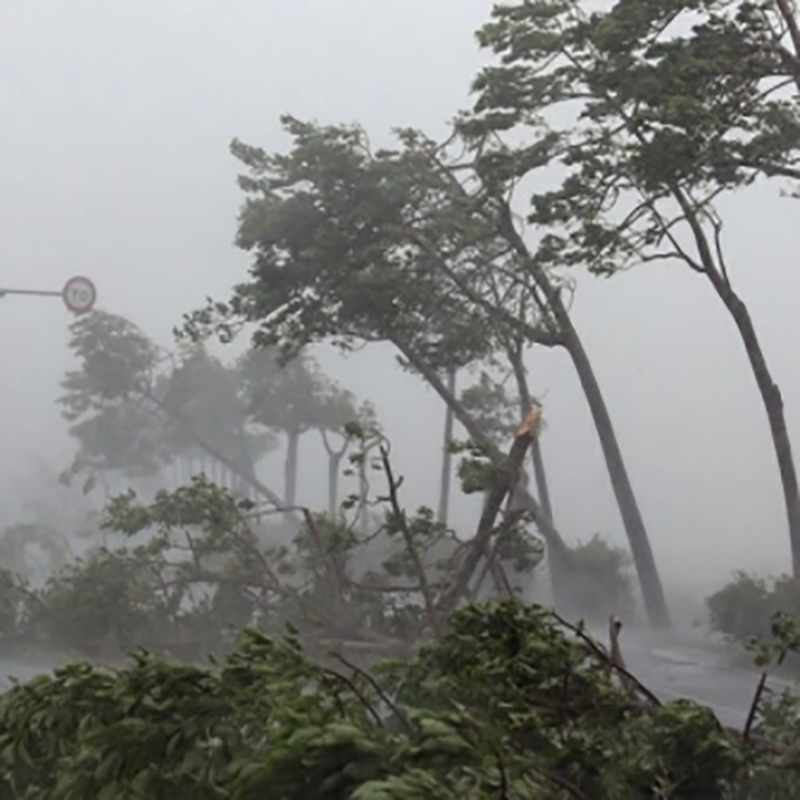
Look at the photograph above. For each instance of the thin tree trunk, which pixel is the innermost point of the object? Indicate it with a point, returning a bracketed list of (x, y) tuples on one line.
[(363, 497), (773, 404), (334, 465), (447, 456), (770, 393), (540, 476), (291, 466), (526, 404), (643, 559), (560, 554)]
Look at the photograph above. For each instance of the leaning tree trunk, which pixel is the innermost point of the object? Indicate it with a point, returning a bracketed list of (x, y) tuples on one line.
[(447, 456), (526, 404), (334, 465), (773, 404), (643, 559), (290, 467), (714, 270), (560, 555), (539, 473)]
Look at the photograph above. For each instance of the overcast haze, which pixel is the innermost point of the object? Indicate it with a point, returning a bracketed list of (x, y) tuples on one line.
[(115, 125)]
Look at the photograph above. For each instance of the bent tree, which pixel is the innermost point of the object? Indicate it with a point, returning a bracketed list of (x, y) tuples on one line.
[(479, 190), (649, 112), (335, 260), (352, 245)]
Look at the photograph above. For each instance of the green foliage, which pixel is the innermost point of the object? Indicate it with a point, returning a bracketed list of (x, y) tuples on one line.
[(104, 599), (477, 470), (200, 560), (295, 396), (492, 408), (507, 703), (648, 110), (352, 245), (600, 583), (206, 397), (744, 608), (102, 399), (149, 409)]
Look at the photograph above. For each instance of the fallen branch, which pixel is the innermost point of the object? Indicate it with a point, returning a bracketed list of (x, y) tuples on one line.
[(402, 522), (504, 484), (606, 659), (556, 545)]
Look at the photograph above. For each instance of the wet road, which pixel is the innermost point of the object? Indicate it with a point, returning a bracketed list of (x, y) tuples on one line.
[(673, 670)]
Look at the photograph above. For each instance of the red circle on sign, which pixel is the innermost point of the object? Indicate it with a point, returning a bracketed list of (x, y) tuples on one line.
[(79, 295)]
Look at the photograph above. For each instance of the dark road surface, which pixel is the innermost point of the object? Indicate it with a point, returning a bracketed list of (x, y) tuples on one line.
[(673, 670), (669, 669)]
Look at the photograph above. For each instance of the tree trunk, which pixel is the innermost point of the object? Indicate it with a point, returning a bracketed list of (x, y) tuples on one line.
[(334, 465), (773, 404), (290, 466), (447, 456), (643, 559), (714, 270), (560, 554), (480, 546), (363, 497), (540, 476), (526, 404)]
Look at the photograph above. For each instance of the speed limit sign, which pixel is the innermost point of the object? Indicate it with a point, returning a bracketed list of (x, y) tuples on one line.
[(79, 295)]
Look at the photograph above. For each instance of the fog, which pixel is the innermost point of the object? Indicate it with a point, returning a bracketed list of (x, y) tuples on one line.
[(114, 163)]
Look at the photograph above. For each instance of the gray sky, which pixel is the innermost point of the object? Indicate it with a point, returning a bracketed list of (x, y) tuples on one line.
[(116, 120)]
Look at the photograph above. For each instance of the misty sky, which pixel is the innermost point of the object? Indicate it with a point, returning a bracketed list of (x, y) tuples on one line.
[(114, 162)]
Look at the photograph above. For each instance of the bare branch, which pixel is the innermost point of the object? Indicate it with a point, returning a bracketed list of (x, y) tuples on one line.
[(399, 515)]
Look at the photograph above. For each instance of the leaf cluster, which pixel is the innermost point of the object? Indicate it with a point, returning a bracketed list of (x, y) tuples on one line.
[(646, 111), (509, 702)]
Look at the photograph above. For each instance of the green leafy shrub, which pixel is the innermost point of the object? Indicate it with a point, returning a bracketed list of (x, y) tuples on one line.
[(743, 609), (509, 702), (600, 583)]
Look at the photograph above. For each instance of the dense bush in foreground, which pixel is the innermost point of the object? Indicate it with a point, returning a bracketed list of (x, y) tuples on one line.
[(509, 702)]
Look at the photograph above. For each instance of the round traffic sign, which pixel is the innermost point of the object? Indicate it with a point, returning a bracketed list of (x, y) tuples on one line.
[(79, 295)]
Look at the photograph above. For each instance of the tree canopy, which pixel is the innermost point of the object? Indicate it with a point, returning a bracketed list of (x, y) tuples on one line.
[(648, 112)]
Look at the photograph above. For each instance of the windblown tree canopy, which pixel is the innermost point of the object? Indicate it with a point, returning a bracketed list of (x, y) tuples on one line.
[(342, 238), (136, 409), (292, 398), (102, 397), (353, 246), (403, 246), (481, 712), (650, 111), (204, 395)]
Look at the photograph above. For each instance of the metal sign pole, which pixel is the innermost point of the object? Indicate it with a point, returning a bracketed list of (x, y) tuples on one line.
[(79, 294)]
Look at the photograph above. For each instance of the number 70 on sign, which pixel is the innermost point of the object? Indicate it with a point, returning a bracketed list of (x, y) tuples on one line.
[(79, 295)]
